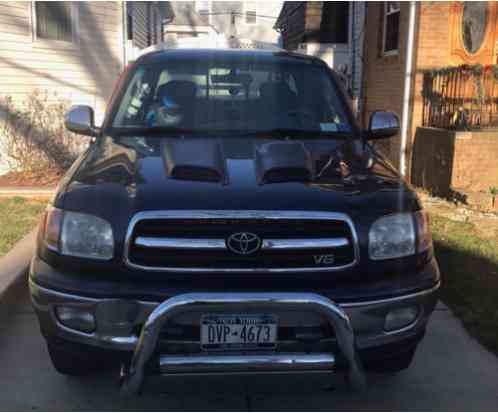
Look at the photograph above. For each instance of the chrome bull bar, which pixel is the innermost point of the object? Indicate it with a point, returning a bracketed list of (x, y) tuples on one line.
[(133, 375)]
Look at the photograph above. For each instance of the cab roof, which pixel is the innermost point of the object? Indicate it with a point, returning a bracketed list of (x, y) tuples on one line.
[(168, 55)]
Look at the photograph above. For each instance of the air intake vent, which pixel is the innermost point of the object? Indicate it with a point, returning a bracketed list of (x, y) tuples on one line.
[(194, 160), (283, 162)]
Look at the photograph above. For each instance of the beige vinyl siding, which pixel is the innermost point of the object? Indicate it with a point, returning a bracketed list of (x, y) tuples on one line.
[(83, 71)]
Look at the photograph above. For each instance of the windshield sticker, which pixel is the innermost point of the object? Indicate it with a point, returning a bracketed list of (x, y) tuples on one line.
[(328, 127)]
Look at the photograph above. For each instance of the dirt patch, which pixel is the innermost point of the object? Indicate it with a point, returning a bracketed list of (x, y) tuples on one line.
[(25, 179), (485, 223)]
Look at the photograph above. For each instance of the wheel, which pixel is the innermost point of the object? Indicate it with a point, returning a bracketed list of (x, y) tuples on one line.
[(399, 362), (73, 363)]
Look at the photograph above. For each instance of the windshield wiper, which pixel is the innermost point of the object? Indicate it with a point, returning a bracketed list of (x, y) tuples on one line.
[(288, 133)]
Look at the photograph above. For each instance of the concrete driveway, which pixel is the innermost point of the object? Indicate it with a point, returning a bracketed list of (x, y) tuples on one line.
[(451, 372)]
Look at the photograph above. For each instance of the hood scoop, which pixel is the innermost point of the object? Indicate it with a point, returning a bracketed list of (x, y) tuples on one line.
[(283, 162), (194, 160)]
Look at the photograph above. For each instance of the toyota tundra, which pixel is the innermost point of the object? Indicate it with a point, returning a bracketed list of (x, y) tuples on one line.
[(231, 216)]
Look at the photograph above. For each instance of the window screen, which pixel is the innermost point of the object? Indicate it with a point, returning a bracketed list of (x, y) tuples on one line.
[(391, 26), (53, 20)]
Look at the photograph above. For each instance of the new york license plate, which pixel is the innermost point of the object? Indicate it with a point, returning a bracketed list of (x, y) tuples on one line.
[(238, 331)]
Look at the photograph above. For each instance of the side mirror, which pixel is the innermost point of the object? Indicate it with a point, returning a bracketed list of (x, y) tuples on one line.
[(382, 125), (80, 119)]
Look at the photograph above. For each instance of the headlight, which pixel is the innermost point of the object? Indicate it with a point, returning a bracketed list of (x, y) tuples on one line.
[(86, 236), (392, 236), (78, 235)]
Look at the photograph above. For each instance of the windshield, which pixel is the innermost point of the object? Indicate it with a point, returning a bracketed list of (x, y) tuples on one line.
[(245, 96)]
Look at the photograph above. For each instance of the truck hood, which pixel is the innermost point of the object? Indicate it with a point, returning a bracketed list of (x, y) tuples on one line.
[(118, 177)]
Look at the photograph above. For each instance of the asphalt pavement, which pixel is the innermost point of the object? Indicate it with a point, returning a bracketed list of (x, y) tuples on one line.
[(451, 371)]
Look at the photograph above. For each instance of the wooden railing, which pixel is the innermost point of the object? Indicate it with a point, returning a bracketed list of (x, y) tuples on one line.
[(461, 98)]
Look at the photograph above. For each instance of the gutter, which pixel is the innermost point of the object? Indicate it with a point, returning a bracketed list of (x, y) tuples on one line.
[(405, 117)]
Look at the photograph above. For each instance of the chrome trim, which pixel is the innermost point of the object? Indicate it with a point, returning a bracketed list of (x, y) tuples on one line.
[(393, 299), (181, 243), (133, 375), (304, 243), (201, 363), (240, 214), (220, 244), (396, 299)]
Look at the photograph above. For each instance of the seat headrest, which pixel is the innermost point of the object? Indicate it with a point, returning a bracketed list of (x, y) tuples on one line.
[(181, 91)]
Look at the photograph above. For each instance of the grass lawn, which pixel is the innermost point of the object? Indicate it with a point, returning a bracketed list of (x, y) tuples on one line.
[(469, 268), (17, 217)]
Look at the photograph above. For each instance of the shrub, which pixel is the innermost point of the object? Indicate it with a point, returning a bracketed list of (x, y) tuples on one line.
[(33, 138)]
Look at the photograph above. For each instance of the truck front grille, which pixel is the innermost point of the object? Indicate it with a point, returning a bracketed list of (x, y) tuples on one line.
[(196, 241)]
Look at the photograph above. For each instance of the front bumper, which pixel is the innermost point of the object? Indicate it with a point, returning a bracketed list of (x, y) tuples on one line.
[(133, 375), (119, 320), (134, 326)]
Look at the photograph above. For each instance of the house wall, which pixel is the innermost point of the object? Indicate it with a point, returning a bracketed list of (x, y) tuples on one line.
[(314, 22), (383, 75), (262, 31), (83, 71), (293, 18), (146, 22), (446, 161)]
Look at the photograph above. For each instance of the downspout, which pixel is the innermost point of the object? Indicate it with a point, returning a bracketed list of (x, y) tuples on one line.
[(405, 117), (124, 22)]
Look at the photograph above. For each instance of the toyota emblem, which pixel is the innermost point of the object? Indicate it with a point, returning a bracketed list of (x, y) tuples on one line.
[(243, 243)]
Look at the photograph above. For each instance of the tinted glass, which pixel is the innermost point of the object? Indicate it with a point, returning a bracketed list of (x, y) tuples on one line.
[(232, 96)]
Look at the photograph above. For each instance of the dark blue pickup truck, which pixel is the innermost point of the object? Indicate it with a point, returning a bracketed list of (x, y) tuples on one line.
[(231, 216)]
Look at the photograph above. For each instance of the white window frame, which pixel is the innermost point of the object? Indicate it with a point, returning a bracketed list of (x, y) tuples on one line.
[(58, 44), (386, 13), (254, 9), (209, 9)]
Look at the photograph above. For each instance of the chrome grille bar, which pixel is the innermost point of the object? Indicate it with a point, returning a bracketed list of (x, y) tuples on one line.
[(304, 244), (200, 363), (220, 244), (270, 216), (181, 243)]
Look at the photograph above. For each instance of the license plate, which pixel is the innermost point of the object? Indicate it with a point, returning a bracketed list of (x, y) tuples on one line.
[(238, 332)]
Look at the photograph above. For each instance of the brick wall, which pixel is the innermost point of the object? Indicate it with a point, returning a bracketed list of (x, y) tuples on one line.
[(445, 160), (433, 51), (437, 159), (383, 75)]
